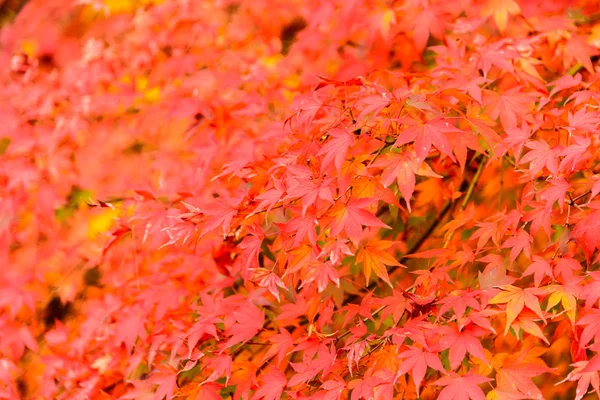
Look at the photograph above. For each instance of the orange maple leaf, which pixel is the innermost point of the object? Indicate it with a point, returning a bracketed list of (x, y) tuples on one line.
[(516, 299), (375, 258)]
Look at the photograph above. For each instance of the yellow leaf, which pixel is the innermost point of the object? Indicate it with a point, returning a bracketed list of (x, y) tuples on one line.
[(119, 6), (102, 222), (29, 47), (515, 299), (560, 294), (152, 95), (388, 18), (500, 9), (532, 328), (271, 61)]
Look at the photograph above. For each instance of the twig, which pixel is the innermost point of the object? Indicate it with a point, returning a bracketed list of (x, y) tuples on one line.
[(468, 195), (465, 185)]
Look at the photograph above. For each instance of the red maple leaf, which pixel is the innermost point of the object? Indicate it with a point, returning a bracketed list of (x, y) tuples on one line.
[(540, 156), (417, 360), (461, 387), (462, 341), (557, 191), (351, 216), (539, 268), (425, 134), (519, 242), (273, 386), (248, 322), (336, 148)]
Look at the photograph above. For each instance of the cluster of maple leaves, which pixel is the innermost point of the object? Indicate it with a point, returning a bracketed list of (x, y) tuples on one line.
[(300, 199)]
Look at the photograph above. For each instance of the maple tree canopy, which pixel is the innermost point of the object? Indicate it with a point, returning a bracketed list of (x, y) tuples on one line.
[(299, 199)]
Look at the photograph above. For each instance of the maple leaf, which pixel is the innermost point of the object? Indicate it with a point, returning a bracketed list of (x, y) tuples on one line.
[(462, 341), (322, 273), (539, 268), (516, 138), (595, 188), (220, 215), (282, 343), (567, 296), (335, 248), (481, 318), (168, 103), (303, 226), (243, 378), (310, 368), (251, 250), (509, 105), (248, 322), (426, 134), (364, 310), (505, 393), (461, 387), (298, 258), (517, 373), (574, 153), (482, 123), (591, 330), (336, 148), (496, 54), (166, 380), (584, 379), (583, 120), (403, 167), (494, 276), (270, 197), (556, 192), (591, 292), (516, 299), (334, 388), (351, 216), (355, 352), (396, 305), (374, 257), (486, 231), (540, 156), (269, 280), (540, 217), (221, 364), (520, 242), (577, 48), (305, 185), (459, 301), (374, 104), (308, 107), (564, 82), (272, 389), (565, 266), (500, 10), (417, 360)]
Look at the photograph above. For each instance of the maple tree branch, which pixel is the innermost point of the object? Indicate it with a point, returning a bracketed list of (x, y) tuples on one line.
[(465, 185), (572, 201), (468, 195), (417, 245)]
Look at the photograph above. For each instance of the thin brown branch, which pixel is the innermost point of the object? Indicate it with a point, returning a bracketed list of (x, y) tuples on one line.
[(468, 195)]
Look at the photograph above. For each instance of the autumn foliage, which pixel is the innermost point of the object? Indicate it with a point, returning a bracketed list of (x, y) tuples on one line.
[(299, 199)]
